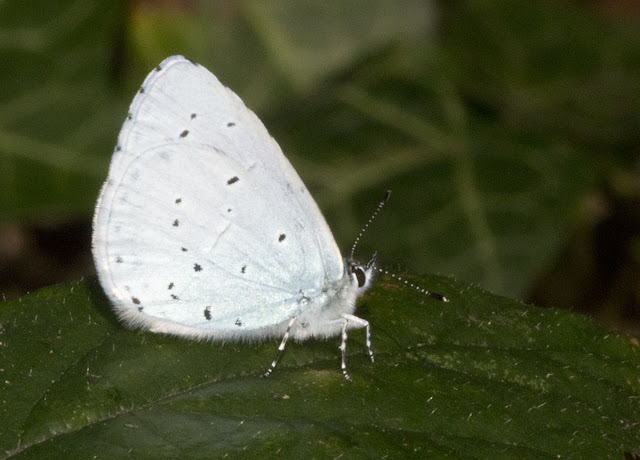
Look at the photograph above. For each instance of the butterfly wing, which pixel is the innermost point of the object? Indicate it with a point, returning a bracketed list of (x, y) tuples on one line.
[(203, 227)]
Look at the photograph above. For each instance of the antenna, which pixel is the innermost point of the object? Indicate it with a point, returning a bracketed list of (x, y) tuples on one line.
[(434, 295), (373, 259), (373, 216)]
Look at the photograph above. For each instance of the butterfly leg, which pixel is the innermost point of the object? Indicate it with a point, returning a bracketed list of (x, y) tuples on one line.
[(362, 323), (280, 348), (343, 345), (343, 349)]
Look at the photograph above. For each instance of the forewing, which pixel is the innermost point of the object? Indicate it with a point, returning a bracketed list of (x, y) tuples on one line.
[(202, 220)]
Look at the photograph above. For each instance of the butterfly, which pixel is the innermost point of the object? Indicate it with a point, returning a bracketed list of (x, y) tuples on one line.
[(204, 230)]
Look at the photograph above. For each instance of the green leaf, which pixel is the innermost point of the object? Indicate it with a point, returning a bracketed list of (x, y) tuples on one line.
[(480, 376), (57, 109)]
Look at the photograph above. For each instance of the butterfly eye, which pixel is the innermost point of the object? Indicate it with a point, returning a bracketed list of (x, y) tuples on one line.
[(360, 276)]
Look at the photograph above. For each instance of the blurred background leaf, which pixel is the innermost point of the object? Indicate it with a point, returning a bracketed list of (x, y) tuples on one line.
[(508, 131), (56, 105), (512, 381)]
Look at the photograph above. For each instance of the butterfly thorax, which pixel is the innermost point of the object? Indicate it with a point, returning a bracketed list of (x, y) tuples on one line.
[(323, 316)]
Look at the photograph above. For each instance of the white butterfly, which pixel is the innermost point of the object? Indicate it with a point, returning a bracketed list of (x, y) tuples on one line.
[(203, 229)]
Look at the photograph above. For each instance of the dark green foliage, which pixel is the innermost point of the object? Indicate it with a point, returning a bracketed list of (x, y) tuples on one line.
[(480, 376)]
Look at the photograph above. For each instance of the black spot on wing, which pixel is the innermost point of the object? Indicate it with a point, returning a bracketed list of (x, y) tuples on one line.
[(176, 223), (193, 115), (129, 116), (184, 133), (233, 180), (282, 237), (178, 200), (175, 297), (207, 313), (197, 268), (238, 322), (243, 269), (184, 249), (141, 90), (118, 148), (230, 124), (135, 300), (118, 260), (171, 285)]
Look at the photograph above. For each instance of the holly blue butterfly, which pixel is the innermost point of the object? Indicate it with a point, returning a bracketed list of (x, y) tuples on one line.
[(204, 230)]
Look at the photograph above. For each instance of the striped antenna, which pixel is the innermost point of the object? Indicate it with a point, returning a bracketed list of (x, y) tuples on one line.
[(373, 259), (413, 286), (373, 216)]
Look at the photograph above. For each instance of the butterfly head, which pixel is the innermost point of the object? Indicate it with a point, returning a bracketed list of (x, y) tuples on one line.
[(360, 275)]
